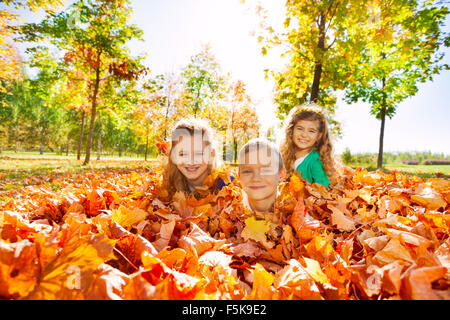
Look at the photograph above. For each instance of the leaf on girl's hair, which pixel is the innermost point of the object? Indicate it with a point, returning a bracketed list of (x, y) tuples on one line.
[(162, 146)]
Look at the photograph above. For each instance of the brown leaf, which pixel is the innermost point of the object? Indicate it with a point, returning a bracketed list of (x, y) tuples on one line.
[(199, 240), (417, 283)]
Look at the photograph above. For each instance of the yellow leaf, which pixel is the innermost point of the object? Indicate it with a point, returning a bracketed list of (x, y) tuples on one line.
[(128, 217), (262, 284), (314, 270), (256, 230), (70, 274)]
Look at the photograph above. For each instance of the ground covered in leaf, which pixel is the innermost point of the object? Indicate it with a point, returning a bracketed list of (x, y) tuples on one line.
[(116, 234)]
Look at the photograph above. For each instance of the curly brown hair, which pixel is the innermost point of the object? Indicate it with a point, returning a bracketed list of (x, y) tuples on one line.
[(323, 145)]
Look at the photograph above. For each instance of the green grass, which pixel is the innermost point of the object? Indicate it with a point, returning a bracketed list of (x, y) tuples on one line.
[(20, 169), (422, 171)]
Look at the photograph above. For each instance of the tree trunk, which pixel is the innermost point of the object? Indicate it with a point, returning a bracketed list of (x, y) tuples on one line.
[(316, 83), (318, 64), (41, 149), (167, 116), (383, 121), (93, 113), (99, 139), (80, 138), (235, 149), (146, 145)]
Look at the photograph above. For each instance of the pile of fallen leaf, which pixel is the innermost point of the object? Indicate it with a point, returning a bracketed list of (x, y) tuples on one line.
[(119, 235)]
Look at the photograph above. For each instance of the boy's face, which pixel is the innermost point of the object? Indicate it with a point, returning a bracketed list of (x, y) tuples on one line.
[(260, 175)]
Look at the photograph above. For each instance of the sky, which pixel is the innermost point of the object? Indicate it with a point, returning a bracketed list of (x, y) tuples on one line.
[(175, 30)]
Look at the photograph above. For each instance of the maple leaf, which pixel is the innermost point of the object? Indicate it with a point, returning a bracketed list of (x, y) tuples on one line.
[(68, 275), (248, 249), (138, 288), (165, 235), (108, 284), (257, 230), (294, 282), (262, 284), (163, 146), (395, 250), (199, 240), (314, 270), (128, 217), (341, 220), (19, 269), (418, 281), (426, 196)]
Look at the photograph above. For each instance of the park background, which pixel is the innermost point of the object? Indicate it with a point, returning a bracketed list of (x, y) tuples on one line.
[(231, 55)]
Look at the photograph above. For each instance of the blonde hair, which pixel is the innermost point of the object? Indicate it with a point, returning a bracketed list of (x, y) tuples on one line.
[(174, 179), (261, 145), (310, 112)]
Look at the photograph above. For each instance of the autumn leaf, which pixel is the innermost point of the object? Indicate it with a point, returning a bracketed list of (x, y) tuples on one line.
[(19, 269), (128, 217), (426, 196), (340, 220), (256, 230), (262, 284), (314, 270), (199, 241), (294, 282), (69, 274), (418, 283)]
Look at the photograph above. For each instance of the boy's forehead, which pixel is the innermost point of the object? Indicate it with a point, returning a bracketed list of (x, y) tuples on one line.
[(260, 156)]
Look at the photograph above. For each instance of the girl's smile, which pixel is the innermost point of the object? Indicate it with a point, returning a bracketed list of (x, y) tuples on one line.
[(193, 169)]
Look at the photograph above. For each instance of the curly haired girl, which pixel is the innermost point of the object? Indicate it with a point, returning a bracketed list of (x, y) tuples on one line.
[(306, 146)]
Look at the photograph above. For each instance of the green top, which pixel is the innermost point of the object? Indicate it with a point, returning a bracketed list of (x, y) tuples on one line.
[(312, 169)]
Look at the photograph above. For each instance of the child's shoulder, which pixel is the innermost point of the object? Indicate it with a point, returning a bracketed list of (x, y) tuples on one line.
[(314, 155), (224, 179)]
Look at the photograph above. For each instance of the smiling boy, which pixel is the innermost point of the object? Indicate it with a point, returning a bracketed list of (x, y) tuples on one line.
[(260, 171)]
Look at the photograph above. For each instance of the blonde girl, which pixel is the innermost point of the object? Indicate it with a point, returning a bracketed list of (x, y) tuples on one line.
[(192, 156), (306, 146)]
